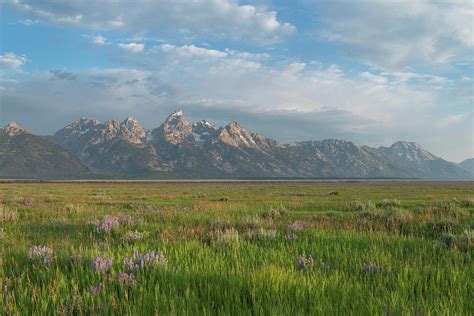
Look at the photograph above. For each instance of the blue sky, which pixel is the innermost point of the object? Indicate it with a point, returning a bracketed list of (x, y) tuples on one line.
[(372, 72)]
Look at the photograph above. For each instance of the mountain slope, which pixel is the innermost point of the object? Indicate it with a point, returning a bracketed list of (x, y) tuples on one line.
[(416, 159), (181, 149), (24, 155), (468, 165), (111, 146)]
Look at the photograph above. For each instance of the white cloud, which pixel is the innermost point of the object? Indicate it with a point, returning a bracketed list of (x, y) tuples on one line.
[(132, 47), (12, 61), (191, 50), (28, 22), (216, 18), (98, 40), (393, 34)]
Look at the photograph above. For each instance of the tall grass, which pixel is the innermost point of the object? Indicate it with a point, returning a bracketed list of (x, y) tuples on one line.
[(405, 249)]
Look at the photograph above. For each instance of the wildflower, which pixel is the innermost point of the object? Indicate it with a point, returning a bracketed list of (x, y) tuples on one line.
[(141, 261), (107, 224), (122, 277), (297, 225), (96, 289), (303, 263), (291, 236), (101, 264), (372, 267), (42, 254)]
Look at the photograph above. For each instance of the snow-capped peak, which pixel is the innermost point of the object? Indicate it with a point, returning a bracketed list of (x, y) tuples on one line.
[(13, 129)]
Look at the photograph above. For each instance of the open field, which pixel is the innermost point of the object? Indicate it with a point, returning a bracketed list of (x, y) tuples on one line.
[(364, 248)]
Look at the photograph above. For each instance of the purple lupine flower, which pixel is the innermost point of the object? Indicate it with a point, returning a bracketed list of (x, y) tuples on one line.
[(140, 261), (107, 224), (124, 277), (42, 254), (297, 225), (101, 264), (291, 236), (96, 289), (303, 263), (372, 267)]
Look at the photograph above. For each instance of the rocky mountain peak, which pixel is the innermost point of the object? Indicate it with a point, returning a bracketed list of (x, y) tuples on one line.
[(237, 136), (13, 129), (132, 131), (174, 130), (408, 151)]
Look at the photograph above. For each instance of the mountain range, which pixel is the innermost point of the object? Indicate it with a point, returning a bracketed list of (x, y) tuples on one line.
[(88, 148)]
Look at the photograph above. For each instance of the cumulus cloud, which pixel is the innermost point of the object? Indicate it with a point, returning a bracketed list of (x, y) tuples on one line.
[(132, 47), (288, 100), (393, 34), (12, 61), (98, 40), (215, 18)]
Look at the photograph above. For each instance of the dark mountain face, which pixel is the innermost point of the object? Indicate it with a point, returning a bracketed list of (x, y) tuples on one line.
[(179, 148), (24, 155), (416, 159), (468, 165)]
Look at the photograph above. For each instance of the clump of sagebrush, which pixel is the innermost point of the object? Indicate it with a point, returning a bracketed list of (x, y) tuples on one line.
[(273, 214), (357, 206), (386, 203), (132, 236), (217, 223), (262, 234), (372, 268), (7, 215), (395, 217), (442, 227), (227, 236), (252, 222), (41, 254), (138, 261), (101, 264), (303, 263), (462, 242)]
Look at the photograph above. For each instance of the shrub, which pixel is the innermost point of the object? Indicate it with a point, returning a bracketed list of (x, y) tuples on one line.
[(228, 236), (262, 234), (357, 206), (386, 203), (8, 215), (440, 228)]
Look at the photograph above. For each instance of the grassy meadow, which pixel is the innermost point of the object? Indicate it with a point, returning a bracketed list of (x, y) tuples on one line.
[(334, 248)]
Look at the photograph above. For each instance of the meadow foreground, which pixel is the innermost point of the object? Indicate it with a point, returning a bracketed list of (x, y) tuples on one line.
[(237, 248)]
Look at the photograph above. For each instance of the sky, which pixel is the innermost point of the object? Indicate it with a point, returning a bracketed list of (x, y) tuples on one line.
[(371, 72)]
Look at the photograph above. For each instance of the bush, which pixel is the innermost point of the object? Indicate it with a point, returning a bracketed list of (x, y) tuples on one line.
[(358, 206), (386, 203), (440, 228)]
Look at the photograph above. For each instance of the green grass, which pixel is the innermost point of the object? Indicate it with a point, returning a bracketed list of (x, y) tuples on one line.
[(230, 250)]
